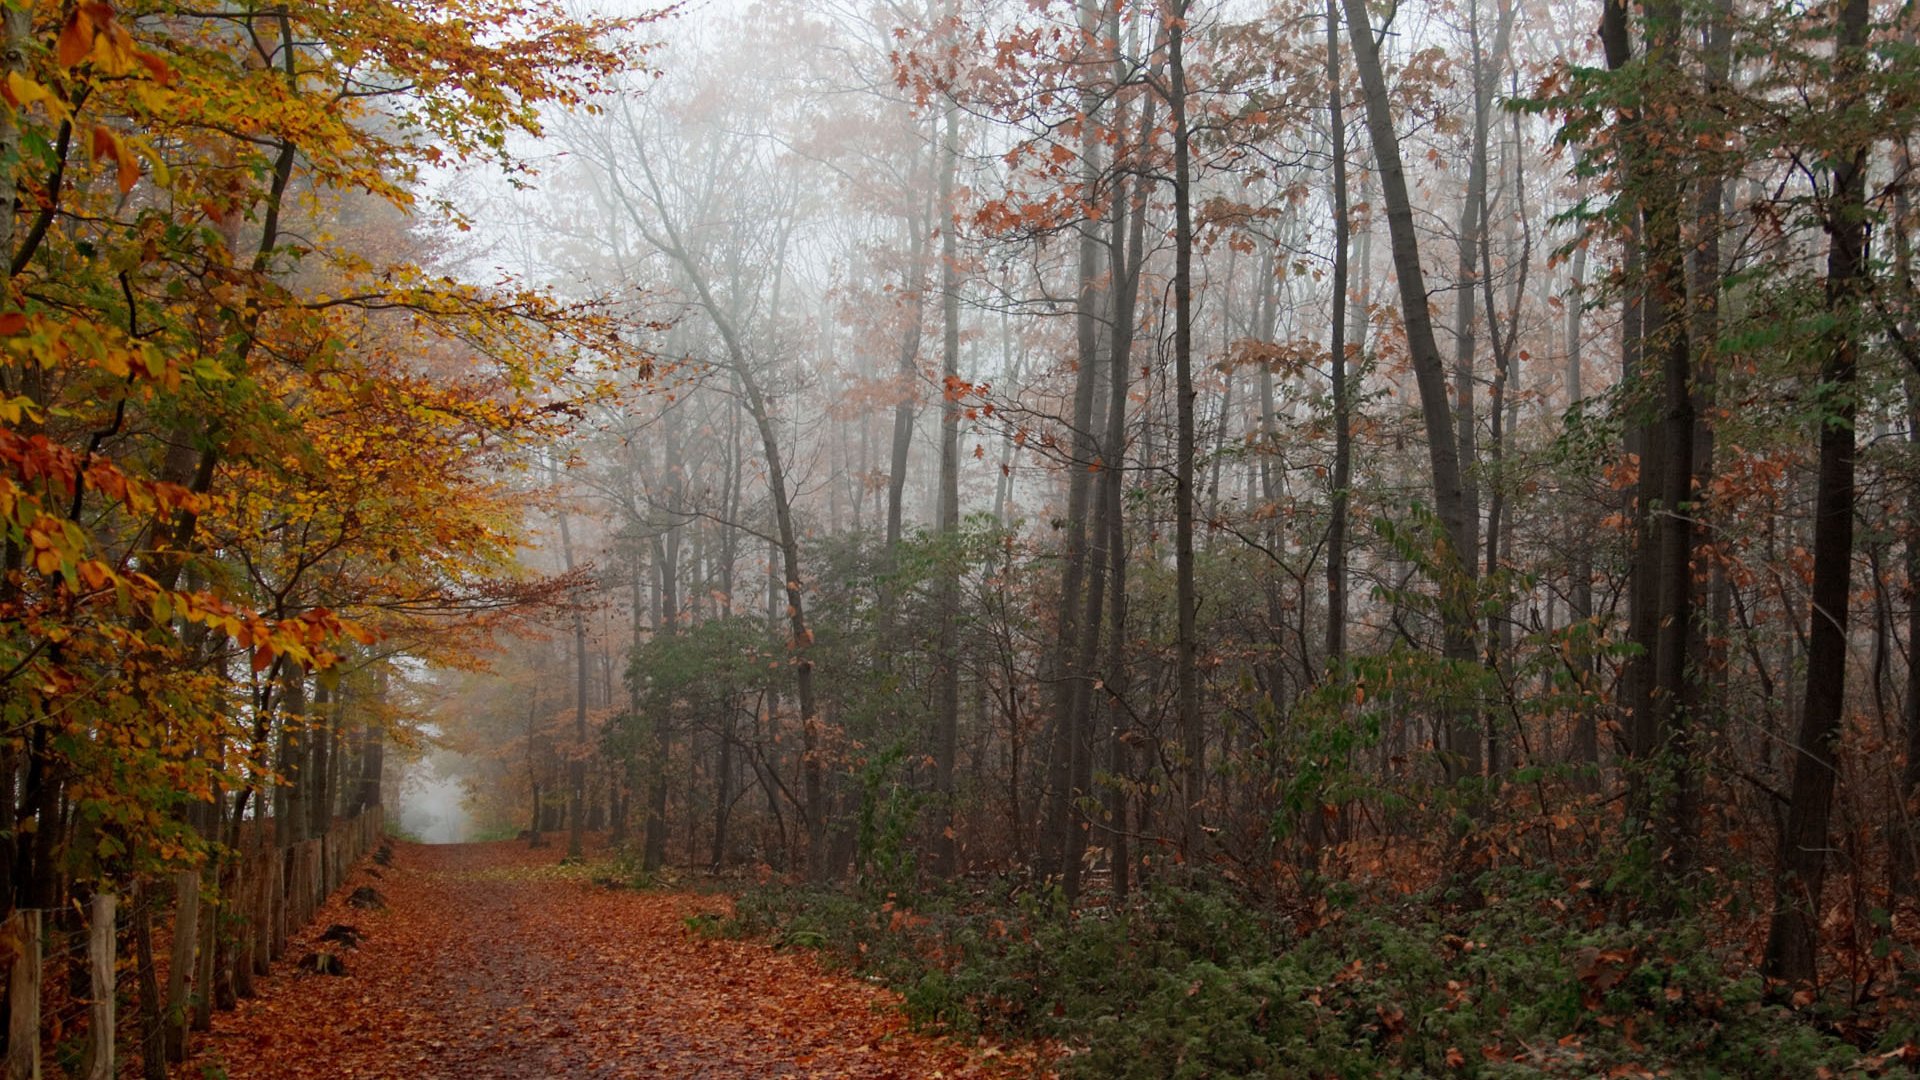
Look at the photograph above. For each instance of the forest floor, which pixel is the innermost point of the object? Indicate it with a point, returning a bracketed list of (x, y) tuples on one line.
[(491, 961)]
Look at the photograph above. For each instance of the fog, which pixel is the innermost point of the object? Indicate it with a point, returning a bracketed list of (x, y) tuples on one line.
[(848, 539), (1331, 453), (1027, 430), (432, 800)]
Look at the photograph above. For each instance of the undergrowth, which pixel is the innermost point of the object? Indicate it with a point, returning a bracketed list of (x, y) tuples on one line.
[(1190, 981)]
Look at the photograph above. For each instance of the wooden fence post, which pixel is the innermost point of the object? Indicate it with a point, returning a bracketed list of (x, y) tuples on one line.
[(305, 856), (300, 911), (203, 961), (153, 1007), (243, 936), (186, 932), (101, 942), (23, 989), (263, 910), (277, 876)]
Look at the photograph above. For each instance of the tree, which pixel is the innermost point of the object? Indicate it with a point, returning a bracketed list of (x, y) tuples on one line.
[(193, 534), (1342, 474), (1792, 936), (1457, 558)]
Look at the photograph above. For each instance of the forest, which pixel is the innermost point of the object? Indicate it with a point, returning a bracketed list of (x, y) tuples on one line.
[(1149, 538)]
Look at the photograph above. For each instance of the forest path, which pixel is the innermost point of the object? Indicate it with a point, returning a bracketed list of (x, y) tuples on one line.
[(491, 962)]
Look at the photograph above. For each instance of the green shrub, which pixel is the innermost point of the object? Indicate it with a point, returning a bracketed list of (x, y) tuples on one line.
[(1191, 980)]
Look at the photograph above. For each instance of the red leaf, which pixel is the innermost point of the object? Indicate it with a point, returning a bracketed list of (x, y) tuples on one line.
[(76, 38)]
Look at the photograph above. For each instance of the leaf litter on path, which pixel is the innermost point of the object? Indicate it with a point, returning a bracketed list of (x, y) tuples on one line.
[(487, 964)]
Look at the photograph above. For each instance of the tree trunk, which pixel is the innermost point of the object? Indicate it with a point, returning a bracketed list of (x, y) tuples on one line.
[(906, 369), (576, 759), (1586, 723), (1470, 235), (326, 718), (1129, 253), (16, 31), (1456, 571), (101, 954), (1706, 275), (637, 607), (1672, 532), (153, 1058), (289, 812), (1187, 654), (666, 562), (907, 376), (186, 930), (23, 996), (373, 760), (1502, 404), (1661, 784), (1793, 937), (723, 795), (1906, 846), (1337, 353), (947, 672), (204, 968), (537, 820), (1057, 821)]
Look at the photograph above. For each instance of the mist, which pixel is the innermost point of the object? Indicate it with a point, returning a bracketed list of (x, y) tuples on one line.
[(1078, 438), (1259, 486), (432, 800), (995, 423), (958, 414)]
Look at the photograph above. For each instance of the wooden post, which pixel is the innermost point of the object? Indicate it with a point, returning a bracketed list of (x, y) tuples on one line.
[(100, 954), (244, 938), (203, 964), (223, 939), (186, 932), (296, 898), (316, 888), (153, 1007), (23, 988), (262, 911), (302, 886), (278, 872), (310, 865)]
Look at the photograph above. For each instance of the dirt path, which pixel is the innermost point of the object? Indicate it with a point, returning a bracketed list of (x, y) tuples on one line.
[(489, 965)]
